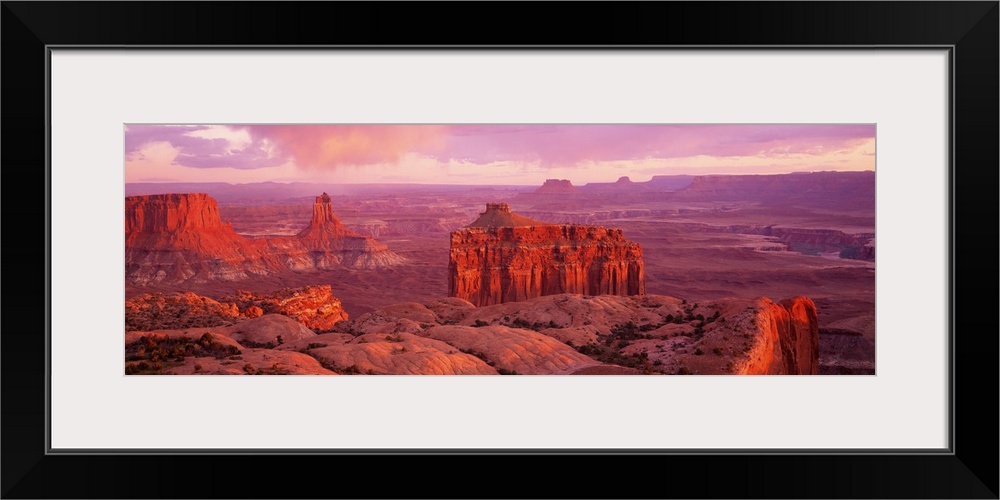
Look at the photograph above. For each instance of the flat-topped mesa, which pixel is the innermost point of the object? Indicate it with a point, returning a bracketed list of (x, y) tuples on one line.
[(557, 186), (160, 213), (180, 236), (506, 257), (499, 215)]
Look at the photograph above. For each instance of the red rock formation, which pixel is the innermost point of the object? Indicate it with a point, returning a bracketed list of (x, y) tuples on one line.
[(313, 306), (176, 237), (180, 237), (499, 258), (158, 311), (556, 334), (324, 225), (329, 244), (786, 340)]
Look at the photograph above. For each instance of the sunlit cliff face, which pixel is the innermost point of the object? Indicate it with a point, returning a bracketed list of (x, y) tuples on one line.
[(504, 257)]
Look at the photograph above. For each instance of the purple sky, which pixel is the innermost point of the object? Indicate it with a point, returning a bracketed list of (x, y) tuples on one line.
[(485, 154)]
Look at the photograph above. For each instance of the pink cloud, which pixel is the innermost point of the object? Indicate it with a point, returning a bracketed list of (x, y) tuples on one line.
[(332, 146)]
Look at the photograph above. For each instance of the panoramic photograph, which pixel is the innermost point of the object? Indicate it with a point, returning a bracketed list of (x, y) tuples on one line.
[(499, 249)]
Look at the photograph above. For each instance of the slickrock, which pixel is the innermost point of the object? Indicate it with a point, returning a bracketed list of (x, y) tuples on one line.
[(398, 354), (557, 334), (513, 349), (270, 328)]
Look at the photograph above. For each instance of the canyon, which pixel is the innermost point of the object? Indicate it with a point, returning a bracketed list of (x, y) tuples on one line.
[(704, 239)]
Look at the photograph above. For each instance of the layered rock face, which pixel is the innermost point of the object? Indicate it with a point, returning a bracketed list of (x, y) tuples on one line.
[(505, 257), (177, 237), (787, 339), (180, 237)]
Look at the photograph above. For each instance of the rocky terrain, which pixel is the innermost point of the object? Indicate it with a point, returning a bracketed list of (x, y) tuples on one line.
[(505, 257), (177, 238), (557, 334), (313, 306), (707, 239)]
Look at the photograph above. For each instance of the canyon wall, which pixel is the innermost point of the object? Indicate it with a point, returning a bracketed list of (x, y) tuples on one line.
[(179, 237), (507, 260), (787, 339)]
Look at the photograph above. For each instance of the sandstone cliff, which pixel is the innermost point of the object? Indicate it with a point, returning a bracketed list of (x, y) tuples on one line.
[(787, 339), (179, 237), (504, 257)]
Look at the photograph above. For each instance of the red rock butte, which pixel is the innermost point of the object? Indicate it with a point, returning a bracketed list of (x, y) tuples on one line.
[(505, 257), (324, 223), (180, 236)]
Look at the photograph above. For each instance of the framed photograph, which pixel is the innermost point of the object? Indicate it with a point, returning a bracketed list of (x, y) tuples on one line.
[(699, 204)]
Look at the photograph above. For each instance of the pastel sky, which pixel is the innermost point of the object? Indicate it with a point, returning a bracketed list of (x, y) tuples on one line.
[(485, 154)]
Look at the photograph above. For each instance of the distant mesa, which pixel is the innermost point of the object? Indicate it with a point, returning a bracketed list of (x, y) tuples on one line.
[(557, 186), (178, 237), (505, 257), (813, 187), (499, 215)]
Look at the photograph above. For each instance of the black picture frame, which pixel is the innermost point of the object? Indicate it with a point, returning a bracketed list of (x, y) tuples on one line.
[(970, 29)]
